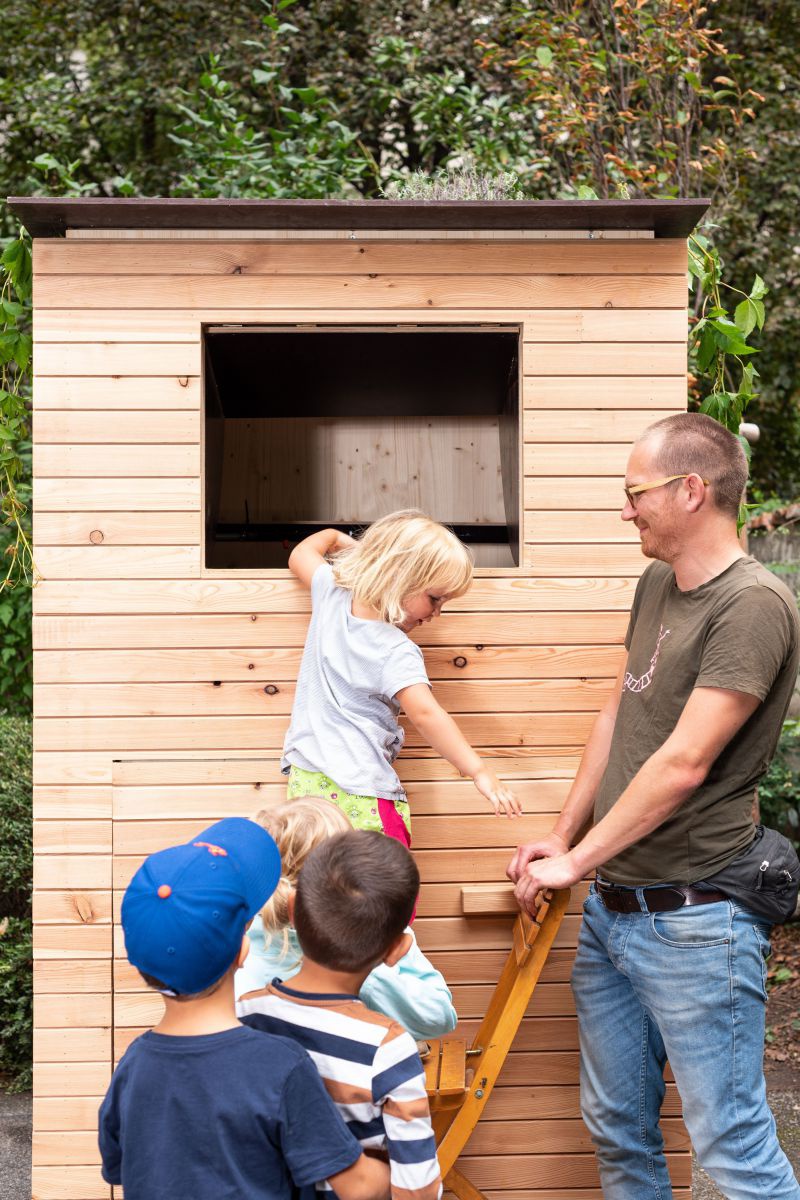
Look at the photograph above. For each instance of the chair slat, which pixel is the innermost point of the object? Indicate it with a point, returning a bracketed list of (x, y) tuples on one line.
[(453, 1071), (431, 1063)]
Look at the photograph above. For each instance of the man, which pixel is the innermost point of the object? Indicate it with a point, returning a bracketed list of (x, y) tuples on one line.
[(667, 966)]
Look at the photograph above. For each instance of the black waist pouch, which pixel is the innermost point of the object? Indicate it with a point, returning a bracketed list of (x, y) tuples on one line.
[(765, 878)]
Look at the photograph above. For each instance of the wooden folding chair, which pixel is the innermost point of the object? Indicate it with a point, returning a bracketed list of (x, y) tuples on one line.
[(460, 1078)]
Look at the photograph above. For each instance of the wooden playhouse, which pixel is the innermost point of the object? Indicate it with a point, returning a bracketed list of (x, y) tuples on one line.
[(215, 378)]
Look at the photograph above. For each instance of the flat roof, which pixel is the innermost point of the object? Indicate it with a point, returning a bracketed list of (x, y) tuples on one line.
[(51, 216)]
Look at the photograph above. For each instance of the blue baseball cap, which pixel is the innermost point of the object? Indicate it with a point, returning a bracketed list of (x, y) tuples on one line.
[(185, 910)]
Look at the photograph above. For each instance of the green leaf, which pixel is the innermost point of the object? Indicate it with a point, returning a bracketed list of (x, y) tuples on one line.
[(759, 289), (707, 349), (745, 316), (544, 56)]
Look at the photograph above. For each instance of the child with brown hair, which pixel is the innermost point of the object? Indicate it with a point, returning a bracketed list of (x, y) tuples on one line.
[(411, 991), (354, 897)]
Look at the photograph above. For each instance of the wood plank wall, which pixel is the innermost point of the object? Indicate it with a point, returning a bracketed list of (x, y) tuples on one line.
[(143, 656)]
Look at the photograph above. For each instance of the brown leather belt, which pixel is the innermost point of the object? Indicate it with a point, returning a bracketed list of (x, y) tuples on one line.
[(656, 899)]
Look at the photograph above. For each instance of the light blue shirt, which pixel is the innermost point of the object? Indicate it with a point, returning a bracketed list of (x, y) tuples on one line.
[(345, 715), (412, 992)]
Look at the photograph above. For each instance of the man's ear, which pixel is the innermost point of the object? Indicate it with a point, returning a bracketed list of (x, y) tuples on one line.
[(398, 949)]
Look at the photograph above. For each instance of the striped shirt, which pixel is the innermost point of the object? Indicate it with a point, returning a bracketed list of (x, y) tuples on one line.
[(372, 1071)]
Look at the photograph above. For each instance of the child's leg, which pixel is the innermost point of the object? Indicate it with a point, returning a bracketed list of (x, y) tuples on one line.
[(394, 820)]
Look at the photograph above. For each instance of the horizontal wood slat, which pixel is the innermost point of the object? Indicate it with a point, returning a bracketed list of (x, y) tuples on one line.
[(606, 358), (116, 392), (117, 734), (601, 394), (429, 832), (213, 801), (564, 527), (385, 292), (117, 562), (562, 458), (63, 767), (154, 326), (460, 663), (117, 358), (538, 628), (117, 529), (117, 495), (117, 425), (248, 699), (143, 461), (578, 425), (69, 1183), (283, 594), (661, 255), (574, 492), (606, 560)]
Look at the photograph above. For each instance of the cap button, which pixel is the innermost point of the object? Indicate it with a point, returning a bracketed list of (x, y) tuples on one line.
[(164, 891)]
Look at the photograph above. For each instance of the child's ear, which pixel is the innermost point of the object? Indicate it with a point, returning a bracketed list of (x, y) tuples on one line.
[(398, 949), (290, 905), (244, 950)]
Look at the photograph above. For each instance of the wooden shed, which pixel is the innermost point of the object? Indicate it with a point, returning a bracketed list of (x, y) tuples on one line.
[(215, 378)]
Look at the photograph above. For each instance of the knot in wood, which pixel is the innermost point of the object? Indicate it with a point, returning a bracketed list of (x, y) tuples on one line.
[(83, 907), (96, 536), (459, 661), (271, 690)]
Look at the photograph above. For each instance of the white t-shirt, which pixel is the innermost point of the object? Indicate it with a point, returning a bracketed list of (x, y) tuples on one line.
[(344, 720)]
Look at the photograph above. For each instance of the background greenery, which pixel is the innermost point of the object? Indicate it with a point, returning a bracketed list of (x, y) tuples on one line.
[(16, 863)]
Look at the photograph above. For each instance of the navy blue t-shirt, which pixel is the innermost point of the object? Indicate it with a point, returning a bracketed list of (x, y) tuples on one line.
[(238, 1115)]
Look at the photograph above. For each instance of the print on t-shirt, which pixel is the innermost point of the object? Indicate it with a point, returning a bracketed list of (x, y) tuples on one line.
[(644, 681)]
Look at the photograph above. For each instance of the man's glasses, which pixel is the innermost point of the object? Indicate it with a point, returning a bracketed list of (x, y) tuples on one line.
[(638, 488)]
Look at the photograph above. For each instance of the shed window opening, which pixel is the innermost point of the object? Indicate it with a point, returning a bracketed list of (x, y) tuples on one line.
[(314, 426)]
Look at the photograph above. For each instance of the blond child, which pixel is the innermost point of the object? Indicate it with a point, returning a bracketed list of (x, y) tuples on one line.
[(411, 991), (360, 668)]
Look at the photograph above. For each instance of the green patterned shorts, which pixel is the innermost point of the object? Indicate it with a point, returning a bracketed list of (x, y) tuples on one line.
[(363, 812)]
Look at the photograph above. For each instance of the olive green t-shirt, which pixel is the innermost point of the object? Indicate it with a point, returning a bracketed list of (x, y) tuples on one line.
[(739, 631)]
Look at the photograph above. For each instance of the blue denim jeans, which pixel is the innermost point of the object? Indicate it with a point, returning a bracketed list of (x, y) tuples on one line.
[(688, 986)]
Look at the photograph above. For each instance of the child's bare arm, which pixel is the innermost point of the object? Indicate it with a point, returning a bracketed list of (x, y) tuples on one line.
[(367, 1179), (441, 731), (308, 554)]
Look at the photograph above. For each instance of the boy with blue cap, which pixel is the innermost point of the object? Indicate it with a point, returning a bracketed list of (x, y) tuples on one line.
[(201, 1106)]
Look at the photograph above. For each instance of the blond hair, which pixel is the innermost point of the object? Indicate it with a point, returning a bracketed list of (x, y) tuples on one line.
[(296, 826), (401, 555)]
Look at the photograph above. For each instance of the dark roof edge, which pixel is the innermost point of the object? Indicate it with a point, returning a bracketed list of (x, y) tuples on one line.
[(48, 216)]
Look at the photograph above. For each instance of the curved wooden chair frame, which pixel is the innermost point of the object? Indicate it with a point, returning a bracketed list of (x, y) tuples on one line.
[(460, 1078)]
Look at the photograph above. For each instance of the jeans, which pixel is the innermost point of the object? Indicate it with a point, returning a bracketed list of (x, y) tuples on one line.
[(688, 986)]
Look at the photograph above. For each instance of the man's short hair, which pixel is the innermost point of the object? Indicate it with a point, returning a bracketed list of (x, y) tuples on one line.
[(695, 443), (355, 896)]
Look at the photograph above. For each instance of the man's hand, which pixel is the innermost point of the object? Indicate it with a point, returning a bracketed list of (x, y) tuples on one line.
[(546, 847), (558, 872), (501, 798)]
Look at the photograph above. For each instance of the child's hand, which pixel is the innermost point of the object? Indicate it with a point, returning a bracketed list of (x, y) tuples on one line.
[(501, 798)]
